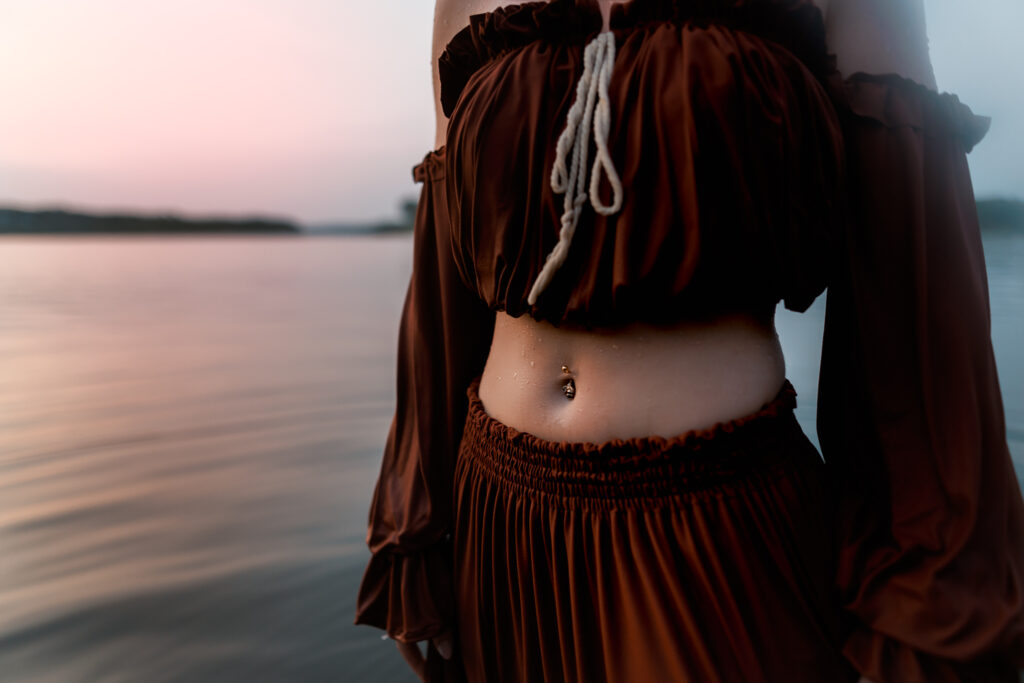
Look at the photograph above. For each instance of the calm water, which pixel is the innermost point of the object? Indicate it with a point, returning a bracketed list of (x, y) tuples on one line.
[(190, 430)]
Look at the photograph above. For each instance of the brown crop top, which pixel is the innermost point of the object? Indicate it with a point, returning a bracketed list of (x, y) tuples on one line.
[(752, 172)]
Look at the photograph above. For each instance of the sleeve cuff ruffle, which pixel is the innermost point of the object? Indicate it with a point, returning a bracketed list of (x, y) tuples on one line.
[(410, 596), (886, 660), (896, 101)]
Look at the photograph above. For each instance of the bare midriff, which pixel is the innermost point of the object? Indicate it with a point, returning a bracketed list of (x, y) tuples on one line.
[(632, 381)]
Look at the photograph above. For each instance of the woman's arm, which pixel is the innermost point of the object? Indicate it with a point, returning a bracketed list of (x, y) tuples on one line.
[(929, 516), (880, 36), (444, 336)]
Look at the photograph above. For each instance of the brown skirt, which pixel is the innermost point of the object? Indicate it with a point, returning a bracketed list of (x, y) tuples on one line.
[(702, 557)]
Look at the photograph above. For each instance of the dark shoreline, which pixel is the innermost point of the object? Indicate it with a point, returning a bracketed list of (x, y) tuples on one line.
[(995, 214), (60, 221), (998, 214)]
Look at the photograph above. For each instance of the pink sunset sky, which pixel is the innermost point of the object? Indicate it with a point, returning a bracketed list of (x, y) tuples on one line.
[(313, 110)]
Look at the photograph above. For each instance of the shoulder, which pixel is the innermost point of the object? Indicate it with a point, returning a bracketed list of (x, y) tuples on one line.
[(880, 36), (462, 9), (450, 17)]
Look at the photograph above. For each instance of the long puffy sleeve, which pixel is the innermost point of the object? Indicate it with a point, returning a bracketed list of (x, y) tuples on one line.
[(930, 521), (444, 337)]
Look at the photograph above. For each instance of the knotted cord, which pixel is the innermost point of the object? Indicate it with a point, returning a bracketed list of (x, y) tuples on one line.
[(598, 61)]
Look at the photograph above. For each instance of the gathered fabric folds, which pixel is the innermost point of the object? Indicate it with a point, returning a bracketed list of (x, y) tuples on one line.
[(705, 556), (723, 135)]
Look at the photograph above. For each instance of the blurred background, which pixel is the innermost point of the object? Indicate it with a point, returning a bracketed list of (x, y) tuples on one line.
[(205, 210)]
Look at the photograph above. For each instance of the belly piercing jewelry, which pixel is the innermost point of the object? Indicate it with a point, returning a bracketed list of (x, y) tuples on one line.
[(569, 389)]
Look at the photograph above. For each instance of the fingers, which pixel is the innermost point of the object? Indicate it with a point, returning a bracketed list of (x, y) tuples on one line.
[(413, 657), (444, 644)]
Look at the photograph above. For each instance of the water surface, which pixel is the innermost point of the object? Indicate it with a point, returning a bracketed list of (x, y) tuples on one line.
[(190, 430)]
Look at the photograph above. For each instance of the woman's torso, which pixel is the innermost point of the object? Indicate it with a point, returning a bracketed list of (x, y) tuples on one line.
[(636, 380)]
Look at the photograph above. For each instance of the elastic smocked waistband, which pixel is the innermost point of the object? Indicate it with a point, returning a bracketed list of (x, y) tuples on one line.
[(697, 462)]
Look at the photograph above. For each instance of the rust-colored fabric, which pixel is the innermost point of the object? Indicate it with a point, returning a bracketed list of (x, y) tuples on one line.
[(443, 341), (753, 173), (705, 557), (910, 415), (727, 145)]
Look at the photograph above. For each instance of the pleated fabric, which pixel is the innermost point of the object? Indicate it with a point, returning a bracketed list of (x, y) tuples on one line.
[(702, 557)]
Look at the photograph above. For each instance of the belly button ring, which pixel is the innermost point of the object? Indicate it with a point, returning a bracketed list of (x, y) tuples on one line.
[(569, 388)]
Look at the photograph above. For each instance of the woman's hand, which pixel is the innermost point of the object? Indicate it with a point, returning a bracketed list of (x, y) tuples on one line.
[(414, 657)]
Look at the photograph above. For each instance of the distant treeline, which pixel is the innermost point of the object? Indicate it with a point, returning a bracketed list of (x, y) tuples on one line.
[(60, 221), (407, 216), (1001, 214), (994, 215)]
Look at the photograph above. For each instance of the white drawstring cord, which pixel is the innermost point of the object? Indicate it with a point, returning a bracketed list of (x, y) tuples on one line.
[(598, 58)]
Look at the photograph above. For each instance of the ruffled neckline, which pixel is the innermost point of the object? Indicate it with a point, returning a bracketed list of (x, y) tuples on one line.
[(796, 24)]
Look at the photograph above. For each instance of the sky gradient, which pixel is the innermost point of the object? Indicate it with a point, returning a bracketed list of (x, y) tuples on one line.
[(313, 110)]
